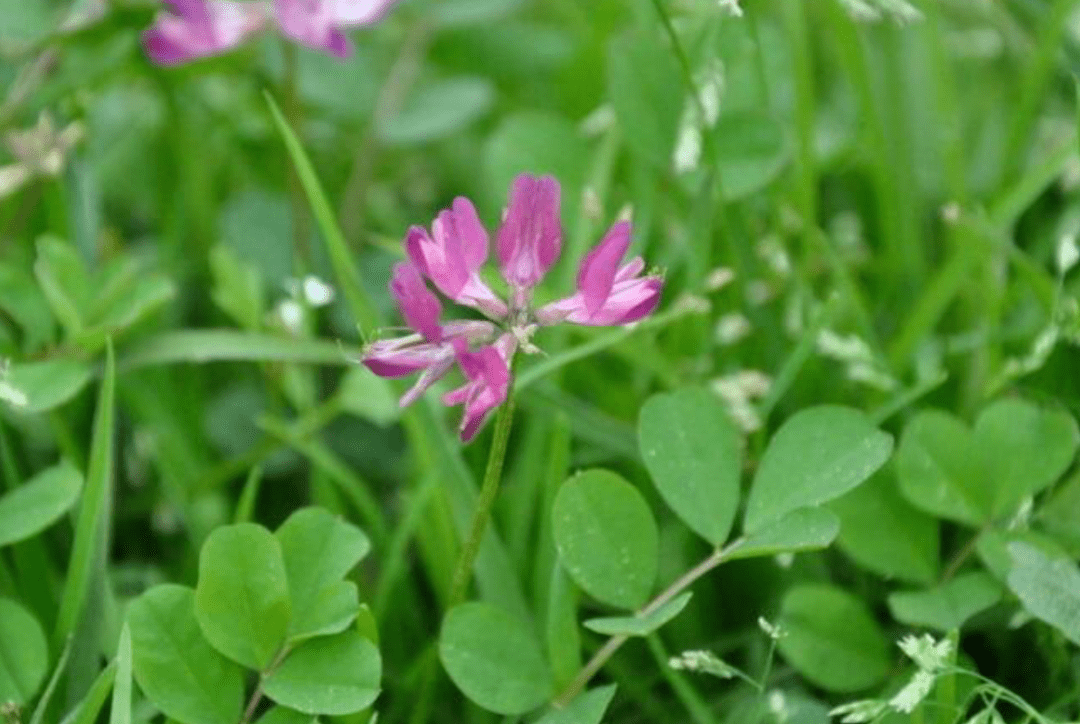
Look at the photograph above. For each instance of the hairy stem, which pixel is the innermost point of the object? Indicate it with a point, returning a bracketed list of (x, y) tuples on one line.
[(608, 650), (484, 504)]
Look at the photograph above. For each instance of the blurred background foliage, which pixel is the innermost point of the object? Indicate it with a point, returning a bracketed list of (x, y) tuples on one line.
[(854, 201)]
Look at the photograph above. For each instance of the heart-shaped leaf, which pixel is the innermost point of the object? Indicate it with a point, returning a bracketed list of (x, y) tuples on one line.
[(494, 659), (606, 537), (692, 451), (318, 549), (948, 606), (242, 598), (817, 455), (832, 639), (331, 675), (24, 653), (175, 666), (38, 503)]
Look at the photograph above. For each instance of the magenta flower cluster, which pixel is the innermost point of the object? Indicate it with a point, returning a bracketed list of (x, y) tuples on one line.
[(193, 29), (527, 244)]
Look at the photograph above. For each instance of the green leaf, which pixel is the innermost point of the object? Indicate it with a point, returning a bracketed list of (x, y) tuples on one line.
[(805, 529), (282, 715), (238, 288), (993, 544), (25, 22), (647, 91), (494, 659), (588, 708), (175, 666), (438, 110), (242, 598), (49, 384), (606, 537), (332, 675), (537, 143), (61, 273), (1058, 516), (38, 503), (832, 639), (319, 548), (120, 711), (693, 453), (977, 475), (368, 396), (1024, 448), (817, 455), (24, 653), (94, 511), (936, 467), (883, 533), (751, 151), (341, 258), (949, 605), (1049, 588), (639, 625)]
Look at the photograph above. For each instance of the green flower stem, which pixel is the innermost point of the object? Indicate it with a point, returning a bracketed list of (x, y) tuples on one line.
[(484, 504), (613, 644)]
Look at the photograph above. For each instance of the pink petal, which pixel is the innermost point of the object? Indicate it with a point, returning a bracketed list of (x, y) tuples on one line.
[(359, 12), (196, 29), (471, 233), (312, 23), (451, 256), (600, 265), (440, 259), (419, 306), (630, 300), (530, 238), (401, 357)]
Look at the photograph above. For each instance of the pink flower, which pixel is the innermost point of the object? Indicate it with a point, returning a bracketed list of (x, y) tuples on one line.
[(528, 242), (193, 29)]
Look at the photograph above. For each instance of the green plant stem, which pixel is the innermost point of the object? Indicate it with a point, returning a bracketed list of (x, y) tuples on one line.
[(613, 644), (484, 504), (257, 695)]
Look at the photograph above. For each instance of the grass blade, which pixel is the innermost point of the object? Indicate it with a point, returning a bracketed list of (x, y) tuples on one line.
[(91, 527), (213, 345), (120, 712), (344, 267)]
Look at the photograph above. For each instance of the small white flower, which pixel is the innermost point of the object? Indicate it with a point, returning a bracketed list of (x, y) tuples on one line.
[(778, 705), (317, 292), (916, 690), (928, 654), (291, 315), (732, 327), (730, 7), (702, 661), (771, 630), (719, 278), (859, 712)]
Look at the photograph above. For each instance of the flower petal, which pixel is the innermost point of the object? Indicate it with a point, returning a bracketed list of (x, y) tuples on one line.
[(197, 28), (312, 23), (419, 306), (530, 238), (630, 299), (600, 265), (452, 255)]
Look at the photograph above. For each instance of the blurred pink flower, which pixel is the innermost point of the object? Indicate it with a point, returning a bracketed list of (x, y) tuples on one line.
[(193, 29), (528, 243)]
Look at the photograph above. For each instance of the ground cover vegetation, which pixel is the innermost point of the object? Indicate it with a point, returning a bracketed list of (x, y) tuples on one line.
[(556, 362)]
